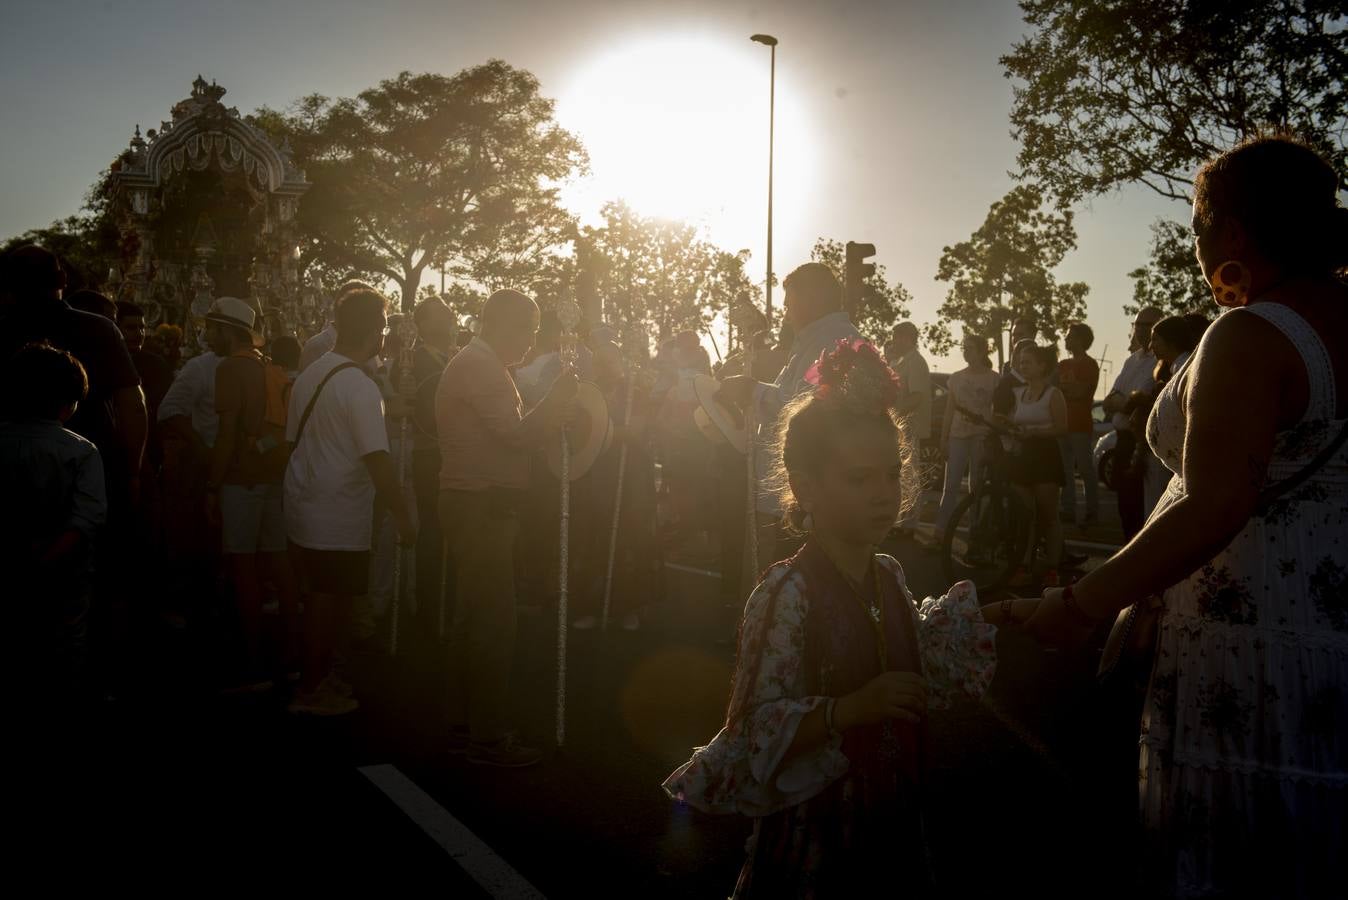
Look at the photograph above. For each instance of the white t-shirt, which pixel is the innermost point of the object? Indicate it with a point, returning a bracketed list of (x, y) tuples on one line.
[(329, 497), (1136, 375)]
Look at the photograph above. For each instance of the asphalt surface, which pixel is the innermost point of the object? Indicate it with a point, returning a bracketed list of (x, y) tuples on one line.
[(173, 783)]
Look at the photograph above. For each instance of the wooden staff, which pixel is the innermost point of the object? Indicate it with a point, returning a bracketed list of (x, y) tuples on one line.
[(407, 389), (568, 315), (617, 504)]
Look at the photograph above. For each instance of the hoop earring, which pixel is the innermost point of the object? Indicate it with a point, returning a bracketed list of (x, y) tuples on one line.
[(1231, 284)]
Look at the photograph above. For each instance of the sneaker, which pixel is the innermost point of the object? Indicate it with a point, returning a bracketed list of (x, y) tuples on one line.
[(458, 741), (507, 753), (338, 685), (323, 702), (587, 623), (248, 686), (631, 622)]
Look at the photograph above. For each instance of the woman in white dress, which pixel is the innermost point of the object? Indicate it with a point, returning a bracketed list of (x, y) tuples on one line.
[(1244, 748)]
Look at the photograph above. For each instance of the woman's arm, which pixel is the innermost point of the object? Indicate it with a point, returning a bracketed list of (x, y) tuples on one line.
[(1233, 411)]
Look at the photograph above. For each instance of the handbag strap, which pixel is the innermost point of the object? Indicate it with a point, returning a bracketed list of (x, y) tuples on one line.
[(308, 410), (1269, 494)]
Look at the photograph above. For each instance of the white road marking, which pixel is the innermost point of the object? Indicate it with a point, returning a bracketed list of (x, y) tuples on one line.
[(494, 874)]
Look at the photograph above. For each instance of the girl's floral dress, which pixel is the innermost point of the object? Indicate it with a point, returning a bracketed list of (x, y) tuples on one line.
[(834, 819)]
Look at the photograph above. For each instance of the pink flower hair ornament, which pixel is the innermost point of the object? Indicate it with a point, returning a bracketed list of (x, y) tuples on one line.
[(854, 371)]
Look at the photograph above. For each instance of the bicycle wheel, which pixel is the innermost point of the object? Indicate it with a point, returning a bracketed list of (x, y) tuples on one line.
[(985, 540)]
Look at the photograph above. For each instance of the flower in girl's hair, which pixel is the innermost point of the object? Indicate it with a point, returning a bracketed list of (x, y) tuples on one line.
[(854, 371)]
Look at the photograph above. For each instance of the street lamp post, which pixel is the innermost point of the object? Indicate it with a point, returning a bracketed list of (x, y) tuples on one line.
[(770, 42)]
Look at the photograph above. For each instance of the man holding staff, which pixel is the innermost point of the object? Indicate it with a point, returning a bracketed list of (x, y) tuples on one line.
[(486, 440), (814, 310)]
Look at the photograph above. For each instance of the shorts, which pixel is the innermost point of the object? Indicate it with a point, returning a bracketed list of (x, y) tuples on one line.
[(252, 518), (341, 573), (1037, 460)]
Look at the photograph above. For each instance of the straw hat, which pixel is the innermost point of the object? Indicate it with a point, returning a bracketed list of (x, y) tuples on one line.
[(588, 436), (235, 313), (726, 421)]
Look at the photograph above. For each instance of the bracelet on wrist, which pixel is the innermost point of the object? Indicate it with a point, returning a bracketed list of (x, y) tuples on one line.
[(829, 705), (1069, 599)]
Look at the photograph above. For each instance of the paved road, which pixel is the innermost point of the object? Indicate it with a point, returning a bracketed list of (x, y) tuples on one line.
[(240, 788)]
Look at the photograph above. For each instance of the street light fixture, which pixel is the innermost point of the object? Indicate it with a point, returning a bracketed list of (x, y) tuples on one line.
[(769, 41)]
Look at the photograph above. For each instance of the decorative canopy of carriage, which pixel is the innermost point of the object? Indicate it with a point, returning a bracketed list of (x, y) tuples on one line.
[(206, 206)]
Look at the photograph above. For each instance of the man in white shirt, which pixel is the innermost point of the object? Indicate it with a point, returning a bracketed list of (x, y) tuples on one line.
[(317, 345), (1136, 375), (914, 408), (339, 462), (187, 429), (814, 310)]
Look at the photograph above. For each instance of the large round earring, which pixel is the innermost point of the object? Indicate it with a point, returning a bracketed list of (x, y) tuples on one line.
[(1231, 284)]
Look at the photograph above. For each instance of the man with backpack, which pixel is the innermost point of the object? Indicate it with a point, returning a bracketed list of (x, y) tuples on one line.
[(339, 464), (244, 492)]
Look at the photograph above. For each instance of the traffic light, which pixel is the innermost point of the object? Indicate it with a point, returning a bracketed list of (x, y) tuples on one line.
[(858, 270)]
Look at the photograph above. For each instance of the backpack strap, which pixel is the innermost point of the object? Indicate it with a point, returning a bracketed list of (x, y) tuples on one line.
[(308, 410)]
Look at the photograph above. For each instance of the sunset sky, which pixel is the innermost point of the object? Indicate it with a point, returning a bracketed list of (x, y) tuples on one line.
[(891, 117)]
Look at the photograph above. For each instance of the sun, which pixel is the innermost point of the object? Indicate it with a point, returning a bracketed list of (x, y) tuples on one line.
[(677, 127)]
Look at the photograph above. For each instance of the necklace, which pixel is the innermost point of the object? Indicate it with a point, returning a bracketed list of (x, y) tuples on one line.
[(873, 610)]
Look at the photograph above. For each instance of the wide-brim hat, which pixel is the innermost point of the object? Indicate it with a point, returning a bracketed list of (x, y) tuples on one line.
[(235, 313), (726, 421), (588, 436), (707, 428)]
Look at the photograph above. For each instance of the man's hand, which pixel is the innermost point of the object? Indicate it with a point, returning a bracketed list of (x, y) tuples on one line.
[(737, 390), (564, 388)]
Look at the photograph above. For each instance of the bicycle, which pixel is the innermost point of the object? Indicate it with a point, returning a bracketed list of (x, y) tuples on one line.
[(989, 532)]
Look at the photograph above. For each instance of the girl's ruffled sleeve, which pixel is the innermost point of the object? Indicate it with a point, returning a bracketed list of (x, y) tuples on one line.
[(742, 769), (959, 650)]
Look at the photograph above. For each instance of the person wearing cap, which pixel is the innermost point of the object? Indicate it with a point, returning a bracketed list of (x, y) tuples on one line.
[(486, 440), (113, 416), (243, 488)]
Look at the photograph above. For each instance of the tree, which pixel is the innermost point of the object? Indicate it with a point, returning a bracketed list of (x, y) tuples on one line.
[(883, 305), (86, 245), (1171, 280), (1142, 91), (655, 277), (1004, 271), (457, 172)]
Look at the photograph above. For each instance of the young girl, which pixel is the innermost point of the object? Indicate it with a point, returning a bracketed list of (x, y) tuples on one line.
[(1039, 419), (823, 741)]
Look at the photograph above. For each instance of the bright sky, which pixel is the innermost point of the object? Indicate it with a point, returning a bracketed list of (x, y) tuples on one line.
[(891, 116)]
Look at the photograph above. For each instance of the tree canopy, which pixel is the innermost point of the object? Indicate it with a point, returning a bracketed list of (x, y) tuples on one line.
[(1004, 271), (1142, 91), (656, 277), (459, 173), (1171, 279), (883, 304)]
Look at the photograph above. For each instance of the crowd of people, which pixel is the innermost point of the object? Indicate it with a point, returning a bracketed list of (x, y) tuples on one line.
[(293, 478)]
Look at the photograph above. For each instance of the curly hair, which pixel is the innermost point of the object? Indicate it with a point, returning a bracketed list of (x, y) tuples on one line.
[(855, 389)]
